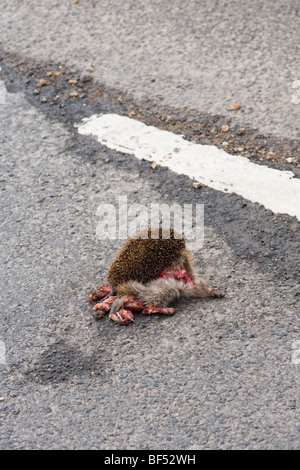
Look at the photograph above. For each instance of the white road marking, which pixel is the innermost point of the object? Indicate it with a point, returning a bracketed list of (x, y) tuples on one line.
[(3, 91), (276, 190)]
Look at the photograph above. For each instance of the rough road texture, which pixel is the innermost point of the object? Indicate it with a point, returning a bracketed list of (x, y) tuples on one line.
[(217, 374), (202, 55)]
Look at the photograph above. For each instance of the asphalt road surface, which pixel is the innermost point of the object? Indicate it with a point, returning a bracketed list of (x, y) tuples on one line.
[(219, 374), (200, 54)]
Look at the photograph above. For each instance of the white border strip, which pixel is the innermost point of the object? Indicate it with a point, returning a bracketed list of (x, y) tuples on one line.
[(277, 190)]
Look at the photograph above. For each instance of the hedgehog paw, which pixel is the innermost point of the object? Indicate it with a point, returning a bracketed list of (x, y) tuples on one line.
[(134, 304), (103, 307), (103, 291), (217, 293), (152, 309), (122, 317)]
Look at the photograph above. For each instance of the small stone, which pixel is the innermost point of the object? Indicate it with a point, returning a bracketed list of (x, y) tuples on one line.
[(197, 185), (86, 77), (240, 149), (36, 92), (56, 74), (72, 81), (74, 94), (234, 106), (225, 128), (43, 82), (44, 99), (2, 398), (153, 165), (225, 144), (290, 159)]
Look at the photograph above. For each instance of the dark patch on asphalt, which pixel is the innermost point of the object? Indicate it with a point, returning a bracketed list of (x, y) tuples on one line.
[(60, 362), (253, 232)]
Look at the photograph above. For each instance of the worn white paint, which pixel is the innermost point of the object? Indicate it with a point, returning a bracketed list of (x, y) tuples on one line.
[(277, 190), (3, 91)]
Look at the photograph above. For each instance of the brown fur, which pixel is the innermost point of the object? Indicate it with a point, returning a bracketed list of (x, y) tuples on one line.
[(164, 291), (143, 259)]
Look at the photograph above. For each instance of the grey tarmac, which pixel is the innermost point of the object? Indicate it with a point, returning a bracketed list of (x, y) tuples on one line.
[(218, 374)]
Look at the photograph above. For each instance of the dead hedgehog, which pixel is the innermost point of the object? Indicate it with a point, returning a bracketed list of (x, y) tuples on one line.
[(153, 269)]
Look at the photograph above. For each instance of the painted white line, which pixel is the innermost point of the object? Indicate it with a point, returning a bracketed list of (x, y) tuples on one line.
[(3, 92), (277, 190), (2, 352)]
